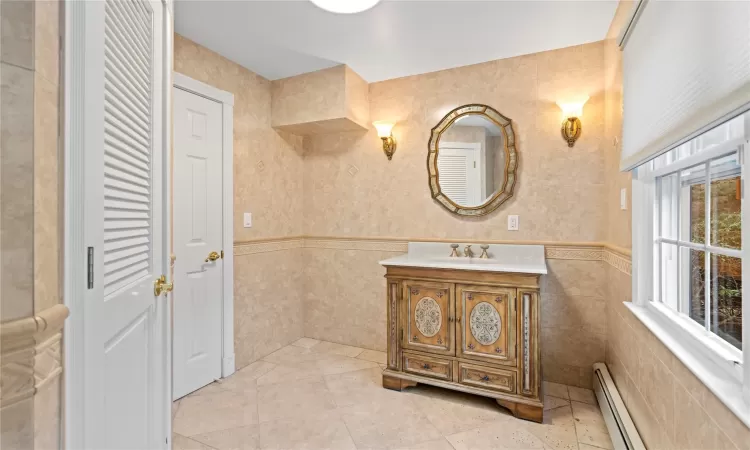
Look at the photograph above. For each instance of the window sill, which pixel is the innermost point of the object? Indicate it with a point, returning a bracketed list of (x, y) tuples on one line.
[(717, 378)]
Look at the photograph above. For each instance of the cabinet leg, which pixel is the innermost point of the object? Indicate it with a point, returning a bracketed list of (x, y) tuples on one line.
[(396, 384), (523, 411)]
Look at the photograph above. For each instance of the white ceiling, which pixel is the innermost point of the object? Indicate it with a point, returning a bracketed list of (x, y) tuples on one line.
[(396, 38)]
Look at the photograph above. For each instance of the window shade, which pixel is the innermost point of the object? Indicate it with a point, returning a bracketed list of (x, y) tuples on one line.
[(686, 65)]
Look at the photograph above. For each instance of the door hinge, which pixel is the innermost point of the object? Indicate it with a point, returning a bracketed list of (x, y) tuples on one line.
[(222, 254), (90, 268)]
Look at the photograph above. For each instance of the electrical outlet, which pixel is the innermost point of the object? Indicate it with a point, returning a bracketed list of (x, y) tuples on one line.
[(624, 199), (512, 223), (248, 220)]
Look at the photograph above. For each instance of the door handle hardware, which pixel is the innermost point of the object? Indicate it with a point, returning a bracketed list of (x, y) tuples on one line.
[(161, 286), (213, 256)]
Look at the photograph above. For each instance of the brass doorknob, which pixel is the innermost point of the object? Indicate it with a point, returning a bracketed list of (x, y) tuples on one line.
[(213, 256), (161, 286)]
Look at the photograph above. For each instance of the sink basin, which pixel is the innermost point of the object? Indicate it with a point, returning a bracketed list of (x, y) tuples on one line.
[(503, 258)]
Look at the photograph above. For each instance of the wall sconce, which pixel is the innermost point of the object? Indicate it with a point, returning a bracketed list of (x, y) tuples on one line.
[(384, 133), (571, 126)]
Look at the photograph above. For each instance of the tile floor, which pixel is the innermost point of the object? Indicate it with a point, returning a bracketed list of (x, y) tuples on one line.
[(320, 395)]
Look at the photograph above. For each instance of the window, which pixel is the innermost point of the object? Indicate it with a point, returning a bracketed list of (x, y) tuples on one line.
[(689, 250)]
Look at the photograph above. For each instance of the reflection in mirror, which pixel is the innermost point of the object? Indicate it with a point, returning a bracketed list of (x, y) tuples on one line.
[(471, 160)]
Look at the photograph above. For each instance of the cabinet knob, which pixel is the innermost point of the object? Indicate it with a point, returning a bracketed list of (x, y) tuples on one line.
[(485, 378), (426, 367)]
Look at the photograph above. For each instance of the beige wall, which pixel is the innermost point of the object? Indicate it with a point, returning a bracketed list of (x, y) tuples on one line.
[(267, 183), (30, 225), (670, 407), (352, 190)]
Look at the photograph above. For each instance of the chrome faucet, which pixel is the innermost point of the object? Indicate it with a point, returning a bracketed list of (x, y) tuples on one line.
[(467, 251)]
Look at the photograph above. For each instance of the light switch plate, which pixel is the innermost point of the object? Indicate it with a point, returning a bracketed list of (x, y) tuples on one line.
[(512, 223), (248, 220), (624, 199)]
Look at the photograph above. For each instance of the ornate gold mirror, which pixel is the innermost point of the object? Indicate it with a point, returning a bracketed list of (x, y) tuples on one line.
[(472, 160)]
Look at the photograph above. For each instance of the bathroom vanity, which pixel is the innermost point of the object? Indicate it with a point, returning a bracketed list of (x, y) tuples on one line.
[(467, 323)]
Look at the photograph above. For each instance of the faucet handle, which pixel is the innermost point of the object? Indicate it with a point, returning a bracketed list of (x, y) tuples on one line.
[(467, 251), (454, 253), (484, 254)]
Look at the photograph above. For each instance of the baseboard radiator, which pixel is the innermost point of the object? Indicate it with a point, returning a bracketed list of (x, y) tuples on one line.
[(621, 429)]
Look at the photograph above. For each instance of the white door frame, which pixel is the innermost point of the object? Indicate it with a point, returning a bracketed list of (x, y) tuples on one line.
[(227, 241), (74, 253)]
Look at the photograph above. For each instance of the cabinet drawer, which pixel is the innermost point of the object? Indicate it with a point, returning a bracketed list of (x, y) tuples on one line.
[(487, 378), (428, 366)]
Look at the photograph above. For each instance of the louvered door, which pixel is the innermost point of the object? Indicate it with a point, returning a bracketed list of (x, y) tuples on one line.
[(125, 323), (459, 175)]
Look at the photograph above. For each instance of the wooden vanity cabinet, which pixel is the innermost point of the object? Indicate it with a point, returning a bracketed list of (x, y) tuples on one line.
[(472, 331)]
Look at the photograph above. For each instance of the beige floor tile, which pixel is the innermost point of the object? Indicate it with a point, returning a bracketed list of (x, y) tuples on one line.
[(337, 349), (306, 342), (180, 442), (205, 413), (551, 402), (452, 412), (331, 364), (440, 444), (321, 431), (175, 407), (558, 430), (582, 395), (308, 371), (388, 422), (582, 446), (358, 387), (291, 355), (299, 399), (590, 426), (510, 434), (241, 438), (246, 379), (374, 356), (212, 388), (556, 390)]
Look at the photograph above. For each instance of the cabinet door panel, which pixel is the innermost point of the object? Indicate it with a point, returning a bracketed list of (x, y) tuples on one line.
[(428, 317), (486, 323)]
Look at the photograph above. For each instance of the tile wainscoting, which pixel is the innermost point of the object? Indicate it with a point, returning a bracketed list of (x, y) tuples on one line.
[(337, 287)]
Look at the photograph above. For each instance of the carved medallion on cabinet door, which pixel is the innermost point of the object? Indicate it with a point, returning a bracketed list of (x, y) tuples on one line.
[(428, 317), (486, 318)]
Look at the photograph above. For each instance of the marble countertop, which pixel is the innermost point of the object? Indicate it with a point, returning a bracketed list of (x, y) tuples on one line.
[(503, 258)]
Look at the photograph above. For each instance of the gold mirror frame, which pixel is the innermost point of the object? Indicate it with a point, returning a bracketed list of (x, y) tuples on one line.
[(511, 160)]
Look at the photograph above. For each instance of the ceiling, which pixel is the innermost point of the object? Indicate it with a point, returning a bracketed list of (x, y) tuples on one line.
[(396, 38)]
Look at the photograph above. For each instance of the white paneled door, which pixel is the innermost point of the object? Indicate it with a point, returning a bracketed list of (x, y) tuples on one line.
[(121, 351), (197, 242)]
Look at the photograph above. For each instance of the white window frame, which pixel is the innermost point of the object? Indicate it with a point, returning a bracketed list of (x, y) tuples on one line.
[(712, 360)]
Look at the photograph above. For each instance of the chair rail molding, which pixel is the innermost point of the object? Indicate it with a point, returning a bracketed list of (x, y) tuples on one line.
[(617, 257), (30, 354)]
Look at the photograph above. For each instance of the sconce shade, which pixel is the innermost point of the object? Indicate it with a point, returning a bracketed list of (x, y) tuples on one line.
[(345, 6), (571, 109), (384, 128)]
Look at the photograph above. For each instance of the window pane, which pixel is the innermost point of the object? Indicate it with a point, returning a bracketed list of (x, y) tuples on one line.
[(669, 280), (726, 298), (693, 204), (697, 292), (698, 213), (726, 217)]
